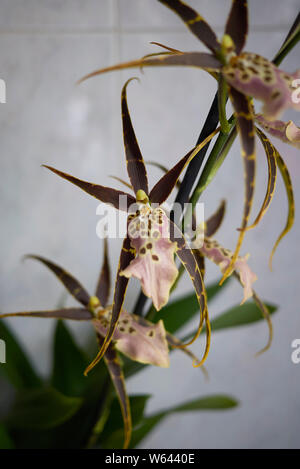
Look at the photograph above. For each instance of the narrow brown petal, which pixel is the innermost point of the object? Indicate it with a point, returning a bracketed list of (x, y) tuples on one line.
[(188, 260), (102, 193), (174, 342), (246, 130), (70, 282), (270, 152), (166, 184), (237, 24), (291, 203), (103, 286), (266, 314), (214, 222), (127, 255), (135, 164), (76, 314), (194, 22), (186, 59), (117, 376)]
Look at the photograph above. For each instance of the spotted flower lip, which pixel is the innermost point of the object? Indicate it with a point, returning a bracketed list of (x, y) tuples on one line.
[(255, 76), (142, 343), (154, 264), (211, 249), (288, 132)]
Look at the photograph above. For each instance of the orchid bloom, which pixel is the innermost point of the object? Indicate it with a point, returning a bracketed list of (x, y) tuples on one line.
[(205, 246), (244, 75), (152, 239), (135, 337)]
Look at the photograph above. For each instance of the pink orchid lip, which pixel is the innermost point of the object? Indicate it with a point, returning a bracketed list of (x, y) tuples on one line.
[(260, 79), (222, 257), (145, 343), (154, 264), (288, 132)]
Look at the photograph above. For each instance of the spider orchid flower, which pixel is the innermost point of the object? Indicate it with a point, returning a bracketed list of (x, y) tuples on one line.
[(135, 337), (244, 75), (152, 239), (205, 246)]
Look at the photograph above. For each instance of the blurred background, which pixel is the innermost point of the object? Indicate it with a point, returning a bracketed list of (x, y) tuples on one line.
[(45, 46)]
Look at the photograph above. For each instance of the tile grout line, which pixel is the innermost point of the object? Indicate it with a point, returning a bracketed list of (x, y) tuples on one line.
[(136, 30)]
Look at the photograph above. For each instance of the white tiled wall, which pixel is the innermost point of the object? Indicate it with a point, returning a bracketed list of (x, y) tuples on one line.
[(45, 46)]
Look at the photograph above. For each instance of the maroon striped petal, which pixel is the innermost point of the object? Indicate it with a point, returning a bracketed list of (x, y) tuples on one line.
[(186, 59), (195, 23), (271, 154), (126, 256), (213, 223), (246, 130), (135, 164), (187, 258), (166, 184), (237, 24), (103, 286), (75, 314), (119, 199), (117, 376), (70, 282)]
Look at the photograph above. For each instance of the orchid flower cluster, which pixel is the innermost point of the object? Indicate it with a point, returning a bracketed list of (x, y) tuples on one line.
[(153, 239)]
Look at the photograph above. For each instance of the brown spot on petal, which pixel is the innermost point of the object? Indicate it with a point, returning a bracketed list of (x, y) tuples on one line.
[(149, 246), (155, 257)]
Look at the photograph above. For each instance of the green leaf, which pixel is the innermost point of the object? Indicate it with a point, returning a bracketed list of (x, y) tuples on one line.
[(5, 440), (69, 363), (240, 315), (214, 402), (42, 409), (17, 368), (112, 435), (177, 313)]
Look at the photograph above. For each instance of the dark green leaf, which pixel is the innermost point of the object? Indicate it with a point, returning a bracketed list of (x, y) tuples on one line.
[(17, 368), (5, 440), (215, 402), (42, 409), (69, 363), (240, 315)]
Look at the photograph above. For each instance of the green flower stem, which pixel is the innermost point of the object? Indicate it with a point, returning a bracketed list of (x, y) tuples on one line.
[(222, 99)]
